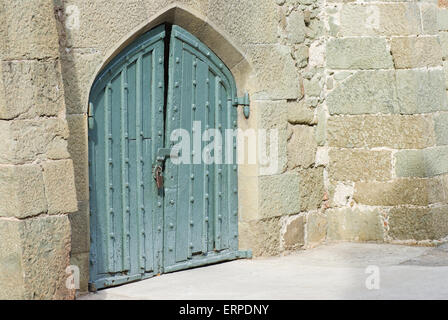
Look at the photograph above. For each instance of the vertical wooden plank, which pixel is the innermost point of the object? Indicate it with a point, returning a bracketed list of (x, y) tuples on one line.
[(116, 171), (148, 92), (210, 169), (223, 172), (125, 170), (185, 193), (199, 228), (171, 171), (139, 141), (108, 186), (157, 134), (218, 171)]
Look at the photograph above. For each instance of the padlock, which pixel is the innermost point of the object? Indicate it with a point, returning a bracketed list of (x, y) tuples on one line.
[(158, 176)]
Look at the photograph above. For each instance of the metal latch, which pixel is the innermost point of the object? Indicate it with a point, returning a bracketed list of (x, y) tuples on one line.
[(161, 156), (245, 102)]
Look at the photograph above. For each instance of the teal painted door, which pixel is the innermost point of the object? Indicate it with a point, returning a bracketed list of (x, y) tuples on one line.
[(138, 229)]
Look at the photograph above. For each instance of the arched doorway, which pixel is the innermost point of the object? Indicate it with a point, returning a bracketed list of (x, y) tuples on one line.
[(151, 214)]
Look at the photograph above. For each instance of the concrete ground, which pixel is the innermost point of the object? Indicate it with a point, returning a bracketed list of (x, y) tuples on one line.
[(333, 271)]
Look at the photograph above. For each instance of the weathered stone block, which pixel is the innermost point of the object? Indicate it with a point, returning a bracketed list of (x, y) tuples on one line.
[(232, 17), (313, 87), (78, 69), (421, 91), (442, 19), (34, 256), (78, 149), (394, 131), (443, 37), (357, 165), (441, 128), (416, 52), (22, 191), (295, 27), (299, 113), (302, 147), (365, 92), (410, 163), (355, 224), (419, 192), (30, 30), (388, 19), (358, 53), (311, 188), (11, 269), (429, 12), (418, 223), (272, 135), (279, 195), (436, 161), (316, 228), (294, 234), (276, 75), (59, 186), (28, 140), (30, 89), (80, 226), (422, 163), (95, 17), (262, 237)]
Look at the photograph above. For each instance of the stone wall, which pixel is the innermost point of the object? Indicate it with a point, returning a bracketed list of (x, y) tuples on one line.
[(384, 121), (36, 173), (356, 90)]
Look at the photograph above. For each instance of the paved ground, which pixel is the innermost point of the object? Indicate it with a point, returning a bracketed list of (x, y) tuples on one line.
[(336, 271)]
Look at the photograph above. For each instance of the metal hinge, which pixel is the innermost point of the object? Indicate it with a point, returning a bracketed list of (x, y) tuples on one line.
[(91, 121), (245, 102)]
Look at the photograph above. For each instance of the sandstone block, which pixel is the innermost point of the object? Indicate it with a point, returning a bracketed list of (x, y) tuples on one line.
[(80, 226), (418, 223), (419, 192), (302, 147), (30, 30), (279, 195), (262, 237), (311, 188), (294, 235), (357, 165), (34, 257), (78, 149), (59, 186), (358, 53), (316, 228), (27, 140), (30, 89), (387, 19), (421, 91), (394, 131), (22, 191), (355, 224), (276, 75), (416, 52), (365, 92), (441, 128)]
